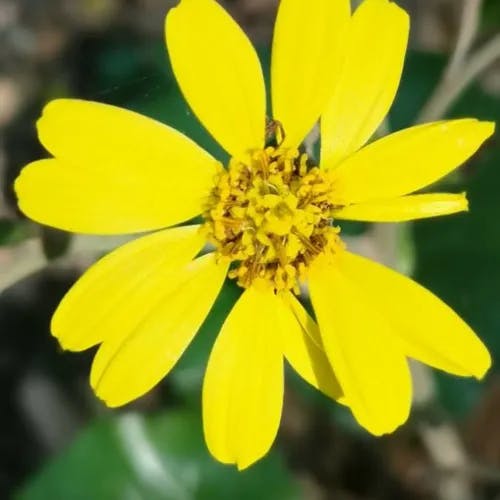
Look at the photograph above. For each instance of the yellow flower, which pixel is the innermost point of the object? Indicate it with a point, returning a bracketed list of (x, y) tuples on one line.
[(269, 216)]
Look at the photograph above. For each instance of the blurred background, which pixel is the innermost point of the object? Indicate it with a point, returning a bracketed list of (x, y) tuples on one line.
[(56, 439)]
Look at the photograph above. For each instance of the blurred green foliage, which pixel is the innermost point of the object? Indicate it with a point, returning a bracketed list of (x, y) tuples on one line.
[(491, 14), (162, 457)]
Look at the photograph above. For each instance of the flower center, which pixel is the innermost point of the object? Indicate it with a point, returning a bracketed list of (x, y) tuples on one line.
[(271, 215)]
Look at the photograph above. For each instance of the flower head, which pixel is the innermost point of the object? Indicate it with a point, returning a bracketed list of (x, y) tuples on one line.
[(270, 215)]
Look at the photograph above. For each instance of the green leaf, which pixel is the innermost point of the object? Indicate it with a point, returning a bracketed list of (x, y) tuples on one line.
[(160, 457)]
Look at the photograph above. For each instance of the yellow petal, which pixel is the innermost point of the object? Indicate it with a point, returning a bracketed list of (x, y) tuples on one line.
[(115, 171), (304, 350), (218, 72), (408, 160), (158, 322), (430, 331), (405, 208), (367, 356), (368, 81), (98, 302), (306, 58), (243, 386)]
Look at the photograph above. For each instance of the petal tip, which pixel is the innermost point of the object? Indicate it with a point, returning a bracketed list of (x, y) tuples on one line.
[(50, 106), (483, 366), (391, 7), (63, 344), (22, 181), (54, 105), (400, 11), (484, 129), (385, 422), (106, 396), (107, 401), (490, 128), (244, 461), (464, 202), (243, 465), (379, 429), (54, 332), (18, 184), (63, 340)]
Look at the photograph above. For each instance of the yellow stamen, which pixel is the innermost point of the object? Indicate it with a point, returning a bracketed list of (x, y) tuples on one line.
[(271, 215)]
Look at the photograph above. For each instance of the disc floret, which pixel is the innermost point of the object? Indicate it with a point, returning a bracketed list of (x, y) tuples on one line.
[(271, 215)]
